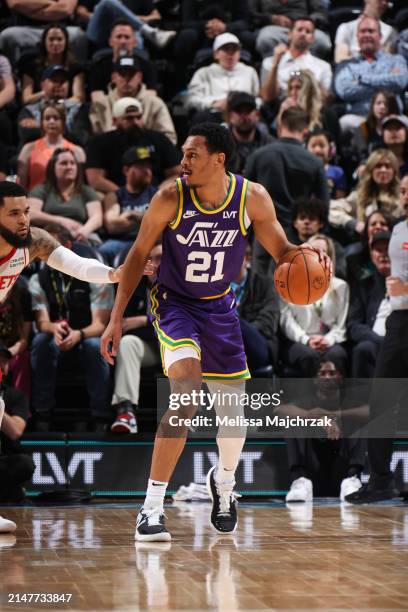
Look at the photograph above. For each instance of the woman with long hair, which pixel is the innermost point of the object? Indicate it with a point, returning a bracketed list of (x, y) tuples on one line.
[(318, 328), (368, 135), (64, 198), (377, 189), (34, 156), (53, 50)]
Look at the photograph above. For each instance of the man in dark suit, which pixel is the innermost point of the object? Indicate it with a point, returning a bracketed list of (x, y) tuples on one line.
[(369, 309)]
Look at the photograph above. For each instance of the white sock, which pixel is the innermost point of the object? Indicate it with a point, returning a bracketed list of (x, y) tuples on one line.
[(156, 490), (229, 453)]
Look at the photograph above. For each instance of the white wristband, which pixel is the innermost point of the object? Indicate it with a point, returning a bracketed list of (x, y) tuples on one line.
[(88, 270)]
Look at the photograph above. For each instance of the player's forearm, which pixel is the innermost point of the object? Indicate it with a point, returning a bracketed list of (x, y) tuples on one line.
[(11, 428)]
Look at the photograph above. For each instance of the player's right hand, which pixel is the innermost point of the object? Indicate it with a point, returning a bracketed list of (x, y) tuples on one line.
[(110, 341)]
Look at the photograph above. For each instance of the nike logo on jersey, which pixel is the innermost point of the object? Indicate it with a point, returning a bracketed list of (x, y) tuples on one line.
[(206, 234), (190, 213)]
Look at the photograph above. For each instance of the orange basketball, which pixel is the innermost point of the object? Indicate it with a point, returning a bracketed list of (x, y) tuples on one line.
[(300, 278)]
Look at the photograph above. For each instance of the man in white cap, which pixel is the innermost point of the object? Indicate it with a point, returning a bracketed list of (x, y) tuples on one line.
[(209, 88), (104, 151)]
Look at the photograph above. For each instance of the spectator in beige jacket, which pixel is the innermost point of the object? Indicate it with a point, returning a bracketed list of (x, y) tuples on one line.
[(127, 82)]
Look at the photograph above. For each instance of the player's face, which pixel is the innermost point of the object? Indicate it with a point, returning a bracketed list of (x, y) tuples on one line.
[(198, 164), (15, 221)]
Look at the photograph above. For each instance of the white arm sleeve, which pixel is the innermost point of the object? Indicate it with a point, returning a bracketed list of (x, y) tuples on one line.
[(88, 270)]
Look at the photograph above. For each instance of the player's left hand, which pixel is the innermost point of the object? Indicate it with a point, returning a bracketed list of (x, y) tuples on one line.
[(115, 274), (323, 258)]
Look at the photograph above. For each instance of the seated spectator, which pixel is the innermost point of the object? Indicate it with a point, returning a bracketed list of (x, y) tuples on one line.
[(346, 41), (70, 315), (377, 189), (104, 170), (30, 18), (278, 19), (404, 194), (243, 120), (209, 88), (137, 12), (286, 169), (15, 329), (7, 94), (319, 143), (369, 310), (332, 463), (123, 41), (369, 135), (287, 60), (358, 259), (16, 468), (395, 139), (319, 328), (357, 79), (53, 50), (138, 348), (123, 209), (64, 198), (3, 162), (258, 311), (127, 82), (55, 88), (34, 156), (202, 22)]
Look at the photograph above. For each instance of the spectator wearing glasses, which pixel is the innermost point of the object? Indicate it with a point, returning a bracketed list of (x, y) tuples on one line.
[(34, 156), (55, 86), (104, 151), (54, 50), (127, 81)]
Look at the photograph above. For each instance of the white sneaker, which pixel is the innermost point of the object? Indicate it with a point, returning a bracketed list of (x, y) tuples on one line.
[(194, 492), (159, 38), (301, 490), (7, 526), (349, 485)]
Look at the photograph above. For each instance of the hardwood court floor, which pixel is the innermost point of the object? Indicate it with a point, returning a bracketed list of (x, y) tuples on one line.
[(304, 558)]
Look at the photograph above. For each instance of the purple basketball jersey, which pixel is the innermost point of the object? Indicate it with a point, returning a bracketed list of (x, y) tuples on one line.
[(203, 249)]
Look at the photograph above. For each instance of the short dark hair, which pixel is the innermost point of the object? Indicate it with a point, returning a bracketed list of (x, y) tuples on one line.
[(218, 138), (312, 207), (8, 189), (62, 233), (295, 119), (121, 21), (319, 132), (303, 18)]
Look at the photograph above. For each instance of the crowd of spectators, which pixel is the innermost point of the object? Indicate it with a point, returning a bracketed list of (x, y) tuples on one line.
[(96, 98)]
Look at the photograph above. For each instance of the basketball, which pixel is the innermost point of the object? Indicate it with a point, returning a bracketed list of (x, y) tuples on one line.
[(300, 278)]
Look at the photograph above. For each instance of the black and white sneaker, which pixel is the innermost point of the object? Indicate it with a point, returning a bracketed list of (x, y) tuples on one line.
[(224, 513), (150, 526)]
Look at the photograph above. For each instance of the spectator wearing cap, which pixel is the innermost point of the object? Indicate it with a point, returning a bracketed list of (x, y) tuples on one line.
[(54, 49), (357, 79), (55, 88), (34, 156), (29, 20), (369, 309), (243, 120), (209, 88), (104, 151), (395, 139), (123, 41), (288, 61), (123, 209), (127, 81), (16, 468)]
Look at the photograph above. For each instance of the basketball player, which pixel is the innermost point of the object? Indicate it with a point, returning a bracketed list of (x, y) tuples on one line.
[(204, 218), (19, 245)]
